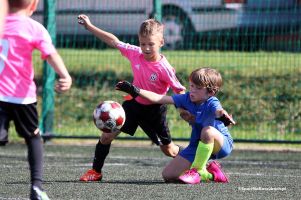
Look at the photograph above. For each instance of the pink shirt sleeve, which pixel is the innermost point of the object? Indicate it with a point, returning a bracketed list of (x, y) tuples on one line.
[(43, 42), (129, 51)]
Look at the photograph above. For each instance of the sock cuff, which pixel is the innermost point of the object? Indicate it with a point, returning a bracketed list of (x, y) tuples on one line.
[(207, 145), (202, 154)]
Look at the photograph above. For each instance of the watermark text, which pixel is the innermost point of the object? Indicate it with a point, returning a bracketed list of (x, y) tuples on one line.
[(262, 188)]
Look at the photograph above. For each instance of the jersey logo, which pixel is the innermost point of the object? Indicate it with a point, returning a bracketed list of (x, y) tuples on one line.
[(153, 77), (137, 66)]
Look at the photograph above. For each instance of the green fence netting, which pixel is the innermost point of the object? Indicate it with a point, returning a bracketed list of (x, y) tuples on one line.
[(254, 44)]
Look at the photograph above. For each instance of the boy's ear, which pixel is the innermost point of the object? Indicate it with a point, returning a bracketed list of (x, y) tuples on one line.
[(162, 42), (33, 6), (211, 93)]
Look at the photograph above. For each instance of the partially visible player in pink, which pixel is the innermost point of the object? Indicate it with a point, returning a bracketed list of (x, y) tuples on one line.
[(3, 12), (151, 71), (18, 102)]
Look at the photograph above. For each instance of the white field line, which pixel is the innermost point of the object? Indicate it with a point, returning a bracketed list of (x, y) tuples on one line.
[(263, 174)]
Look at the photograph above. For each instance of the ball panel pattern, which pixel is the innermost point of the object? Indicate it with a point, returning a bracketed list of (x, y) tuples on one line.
[(109, 116)]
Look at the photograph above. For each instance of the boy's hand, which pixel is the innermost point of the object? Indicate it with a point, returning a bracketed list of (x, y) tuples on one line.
[(84, 20), (225, 118), (63, 84), (187, 116), (128, 87)]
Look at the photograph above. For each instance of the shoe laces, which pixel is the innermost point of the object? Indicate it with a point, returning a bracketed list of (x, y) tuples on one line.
[(214, 164), (191, 172), (217, 163)]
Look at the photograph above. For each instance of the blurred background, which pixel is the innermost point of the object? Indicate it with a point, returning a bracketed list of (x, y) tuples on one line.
[(255, 44)]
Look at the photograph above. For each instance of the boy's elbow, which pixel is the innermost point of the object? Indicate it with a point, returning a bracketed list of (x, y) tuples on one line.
[(114, 43)]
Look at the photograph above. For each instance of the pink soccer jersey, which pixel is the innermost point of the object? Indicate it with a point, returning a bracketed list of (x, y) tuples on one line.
[(157, 77), (22, 35)]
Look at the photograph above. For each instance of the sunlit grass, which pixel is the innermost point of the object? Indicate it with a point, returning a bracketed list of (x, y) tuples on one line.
[(73, 111)]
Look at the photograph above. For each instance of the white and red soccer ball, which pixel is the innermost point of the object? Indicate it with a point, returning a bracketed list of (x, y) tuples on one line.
[(109, 116)]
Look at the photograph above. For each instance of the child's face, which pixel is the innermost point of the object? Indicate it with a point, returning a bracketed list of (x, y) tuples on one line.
[(198, 94), (150, 46)]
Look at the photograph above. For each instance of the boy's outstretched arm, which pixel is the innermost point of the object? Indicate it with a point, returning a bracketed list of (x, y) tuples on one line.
[(223, 116), (65, 81), (104, 36), (134, 91)]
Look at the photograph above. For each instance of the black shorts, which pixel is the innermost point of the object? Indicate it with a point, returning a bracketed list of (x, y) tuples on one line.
[(25, 118), (151, 118)]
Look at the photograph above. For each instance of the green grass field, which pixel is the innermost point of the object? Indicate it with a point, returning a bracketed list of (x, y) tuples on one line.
[(246, 63), (256, 91)]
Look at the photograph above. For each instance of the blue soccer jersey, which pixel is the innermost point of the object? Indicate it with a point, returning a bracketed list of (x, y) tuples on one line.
[(204, 116)]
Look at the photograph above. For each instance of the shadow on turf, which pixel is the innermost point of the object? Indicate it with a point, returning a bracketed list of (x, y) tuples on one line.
[(134, 182)]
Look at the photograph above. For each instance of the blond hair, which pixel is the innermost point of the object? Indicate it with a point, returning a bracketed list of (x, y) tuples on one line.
[(150, 27), (208, 78)]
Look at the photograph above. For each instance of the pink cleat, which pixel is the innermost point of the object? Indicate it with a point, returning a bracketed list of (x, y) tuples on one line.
[(218, 175), (191, 177)]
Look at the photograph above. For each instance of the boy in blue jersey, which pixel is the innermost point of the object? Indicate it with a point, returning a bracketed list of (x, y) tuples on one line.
[(210, 137)]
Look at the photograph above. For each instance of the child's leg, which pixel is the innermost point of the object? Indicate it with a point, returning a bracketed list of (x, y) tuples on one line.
[(102, 150), (202, 156), (4, 123), (26, 122), (175, 168), (155, 125), (35, 159), (211, 142)]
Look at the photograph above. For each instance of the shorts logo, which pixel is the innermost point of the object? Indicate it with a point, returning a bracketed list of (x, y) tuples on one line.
[(153, 77)]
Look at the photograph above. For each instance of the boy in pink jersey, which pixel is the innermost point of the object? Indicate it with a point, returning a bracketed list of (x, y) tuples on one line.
[(18, 101), (151, 71)]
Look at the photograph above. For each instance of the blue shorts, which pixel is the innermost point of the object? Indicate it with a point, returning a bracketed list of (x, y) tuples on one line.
[(189, 152)]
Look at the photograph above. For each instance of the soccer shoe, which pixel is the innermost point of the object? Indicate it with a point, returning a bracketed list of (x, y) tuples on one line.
[(38, 194), (191, 177), (218, 175), (91, 175)]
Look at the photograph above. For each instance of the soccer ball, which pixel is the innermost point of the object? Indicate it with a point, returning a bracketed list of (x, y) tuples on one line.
[(109, 116)]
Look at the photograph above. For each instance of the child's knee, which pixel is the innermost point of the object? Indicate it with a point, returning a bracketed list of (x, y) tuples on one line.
[(164, 175), (207, 134), (168, 177), (170, 150), (107, 138), (29, 139)]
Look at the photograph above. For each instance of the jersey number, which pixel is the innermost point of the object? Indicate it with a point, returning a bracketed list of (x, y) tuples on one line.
[(4, 44)]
